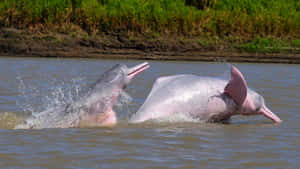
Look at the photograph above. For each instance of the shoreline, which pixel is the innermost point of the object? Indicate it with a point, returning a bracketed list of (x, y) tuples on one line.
[(21, 43), (213, 56)]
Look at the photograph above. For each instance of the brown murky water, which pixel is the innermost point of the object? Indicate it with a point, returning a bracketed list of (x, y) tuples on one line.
[(34, 84)]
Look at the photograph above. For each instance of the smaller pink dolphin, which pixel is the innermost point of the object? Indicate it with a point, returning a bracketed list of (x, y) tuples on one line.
[(202, 98), (94, 108)]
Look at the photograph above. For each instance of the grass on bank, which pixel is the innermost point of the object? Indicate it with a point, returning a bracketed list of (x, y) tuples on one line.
[(269, 45), (223, 18), (251, 25), (296, 43), (263, 45)]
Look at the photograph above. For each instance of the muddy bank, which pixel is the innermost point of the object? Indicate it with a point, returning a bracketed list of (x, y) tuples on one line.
[(15, 42)]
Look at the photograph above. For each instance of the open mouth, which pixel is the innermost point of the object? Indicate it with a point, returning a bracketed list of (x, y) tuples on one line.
[(137, 69)]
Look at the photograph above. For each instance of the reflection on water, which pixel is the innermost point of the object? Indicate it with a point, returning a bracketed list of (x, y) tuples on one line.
[(30, 85)]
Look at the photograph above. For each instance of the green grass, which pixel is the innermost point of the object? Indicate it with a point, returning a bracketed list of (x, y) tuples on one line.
[(203, 42), (223, 18), (296, 43), (265, 45)]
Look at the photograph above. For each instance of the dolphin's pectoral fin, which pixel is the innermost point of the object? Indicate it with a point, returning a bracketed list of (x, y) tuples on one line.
[(236, 87)]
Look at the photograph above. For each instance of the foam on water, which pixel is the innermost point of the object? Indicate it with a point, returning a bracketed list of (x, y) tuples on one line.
[(45, 103), (37, 98)]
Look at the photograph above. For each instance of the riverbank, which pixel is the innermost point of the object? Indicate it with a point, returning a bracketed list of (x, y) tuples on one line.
[(15, 42), (207, 30)]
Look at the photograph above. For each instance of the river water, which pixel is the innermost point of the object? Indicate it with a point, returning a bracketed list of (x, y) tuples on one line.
[(31, 85)]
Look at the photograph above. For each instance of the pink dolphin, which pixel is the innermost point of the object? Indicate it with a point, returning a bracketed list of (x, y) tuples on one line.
[(100, 100), (202, 98), (94, 107)]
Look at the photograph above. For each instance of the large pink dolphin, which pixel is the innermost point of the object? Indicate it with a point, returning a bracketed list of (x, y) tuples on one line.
[(202, 98), (94, 107)]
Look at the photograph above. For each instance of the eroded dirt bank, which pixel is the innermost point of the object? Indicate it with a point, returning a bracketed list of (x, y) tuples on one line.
[(15, 42)]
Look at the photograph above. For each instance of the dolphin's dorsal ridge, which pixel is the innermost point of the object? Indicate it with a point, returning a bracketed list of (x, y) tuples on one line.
[(160, 82), (236, 87)]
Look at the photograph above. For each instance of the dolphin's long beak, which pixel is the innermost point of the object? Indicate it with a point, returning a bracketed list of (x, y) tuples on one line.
[(137, 69), (266, 112)]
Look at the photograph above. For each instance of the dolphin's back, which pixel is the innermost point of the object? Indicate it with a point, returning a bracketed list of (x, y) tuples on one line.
[(188, 94)]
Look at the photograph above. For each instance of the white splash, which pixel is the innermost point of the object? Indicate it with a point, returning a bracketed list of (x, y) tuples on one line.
[(44, 102), (37, 98)]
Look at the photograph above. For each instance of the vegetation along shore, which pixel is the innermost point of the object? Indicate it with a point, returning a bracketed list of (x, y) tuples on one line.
[(231, 30)]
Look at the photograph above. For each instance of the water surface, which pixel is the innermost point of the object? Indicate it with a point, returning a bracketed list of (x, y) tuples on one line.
[(34, 84)]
